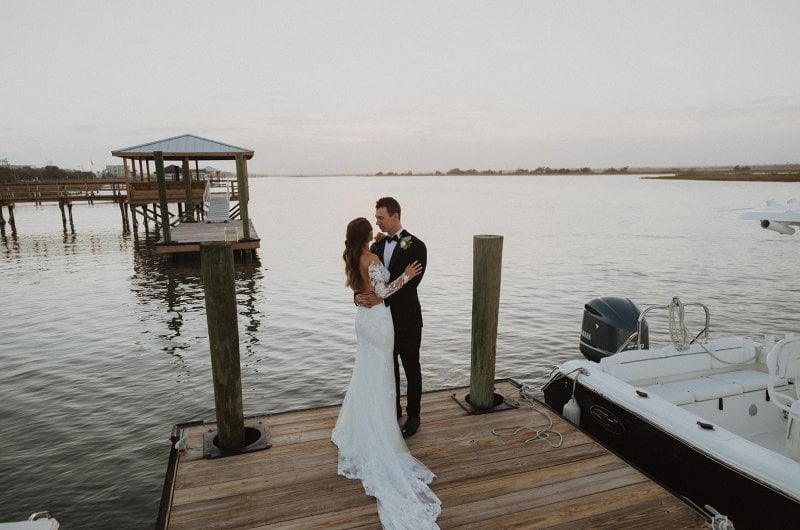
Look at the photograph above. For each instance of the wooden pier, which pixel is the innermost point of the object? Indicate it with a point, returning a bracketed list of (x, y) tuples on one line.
[(190, 231), (483, 480), (192, 192), (186, 237)]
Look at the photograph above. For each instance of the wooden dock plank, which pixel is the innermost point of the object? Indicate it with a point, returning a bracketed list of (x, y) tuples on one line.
[(597, 509), (483, 480)]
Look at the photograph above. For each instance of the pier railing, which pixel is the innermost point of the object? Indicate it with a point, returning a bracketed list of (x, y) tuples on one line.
[(230, 184), (106, 190), (54, 190), (147, 192)]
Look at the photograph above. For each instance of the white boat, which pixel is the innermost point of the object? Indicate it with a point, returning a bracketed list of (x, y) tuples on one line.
[(775, 216), (37, 521), (717, 421)]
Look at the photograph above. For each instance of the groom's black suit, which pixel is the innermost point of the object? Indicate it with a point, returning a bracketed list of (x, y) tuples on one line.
[(406, 316)]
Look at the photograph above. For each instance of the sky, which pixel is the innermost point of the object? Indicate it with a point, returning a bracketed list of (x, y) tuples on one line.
[(345, 86)]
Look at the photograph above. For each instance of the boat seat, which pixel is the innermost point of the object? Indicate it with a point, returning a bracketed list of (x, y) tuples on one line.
[(701, 373), (730, 351), (666, 365), (692, 390), (646, 364), (673, 392), (750, 380)]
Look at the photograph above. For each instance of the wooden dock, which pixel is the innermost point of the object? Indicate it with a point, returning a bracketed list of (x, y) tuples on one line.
[(483, 480), (186, 237)]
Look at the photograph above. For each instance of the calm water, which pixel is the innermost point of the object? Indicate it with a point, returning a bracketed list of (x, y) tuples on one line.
[(103, 345)]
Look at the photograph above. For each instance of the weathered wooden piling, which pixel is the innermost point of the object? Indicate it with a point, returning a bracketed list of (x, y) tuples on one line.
[(134, 221), (63, 215), (123, 214), (223, 336), (158, 156), (486, 267), (244, 195), (187, 188)]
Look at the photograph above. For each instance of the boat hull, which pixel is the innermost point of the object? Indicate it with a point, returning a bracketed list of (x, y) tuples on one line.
[(672, 462)]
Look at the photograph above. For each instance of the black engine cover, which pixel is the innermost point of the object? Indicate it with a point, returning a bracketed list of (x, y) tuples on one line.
[(607, 324)]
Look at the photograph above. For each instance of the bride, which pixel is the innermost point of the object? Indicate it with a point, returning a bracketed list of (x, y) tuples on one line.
[(371, 446)]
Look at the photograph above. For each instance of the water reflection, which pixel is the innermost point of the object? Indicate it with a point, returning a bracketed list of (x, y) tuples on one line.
[(175, 283), (69, 239), (247, 288), (10, 244)]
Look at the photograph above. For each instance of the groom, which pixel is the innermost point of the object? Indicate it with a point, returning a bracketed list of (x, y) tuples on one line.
[(396, 250)]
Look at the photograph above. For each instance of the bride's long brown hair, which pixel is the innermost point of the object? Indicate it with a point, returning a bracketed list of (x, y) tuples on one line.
[(358, 231)]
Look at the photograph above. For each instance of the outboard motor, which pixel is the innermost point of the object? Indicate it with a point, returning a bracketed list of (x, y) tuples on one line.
[(607, 323)]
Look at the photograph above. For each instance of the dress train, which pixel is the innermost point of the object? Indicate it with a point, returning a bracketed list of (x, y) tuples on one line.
[(371, 447)]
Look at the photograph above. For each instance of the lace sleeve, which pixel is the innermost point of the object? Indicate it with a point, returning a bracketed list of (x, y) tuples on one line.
[(378, 276)]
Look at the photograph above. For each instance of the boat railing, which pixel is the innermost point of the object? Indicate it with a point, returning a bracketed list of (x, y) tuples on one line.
[(677, 325)]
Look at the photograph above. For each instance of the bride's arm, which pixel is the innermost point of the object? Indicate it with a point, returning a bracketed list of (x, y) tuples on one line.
[(385, 290)]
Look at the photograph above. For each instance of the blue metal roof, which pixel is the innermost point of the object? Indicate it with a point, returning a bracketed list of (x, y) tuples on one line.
[(185, 146)]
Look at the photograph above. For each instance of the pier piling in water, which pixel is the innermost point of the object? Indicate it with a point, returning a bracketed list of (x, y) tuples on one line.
[(158, 156), (486, 264), (223, 336), (244, 195), (187, 187)]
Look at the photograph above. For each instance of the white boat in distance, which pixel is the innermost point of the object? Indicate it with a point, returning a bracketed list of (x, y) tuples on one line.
[(778, 217), (717, 421)]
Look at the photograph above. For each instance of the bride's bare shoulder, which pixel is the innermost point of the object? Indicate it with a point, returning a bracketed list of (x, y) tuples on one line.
[(368, 258)]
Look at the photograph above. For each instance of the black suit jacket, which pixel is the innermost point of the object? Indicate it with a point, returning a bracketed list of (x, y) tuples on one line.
[(406, 310)]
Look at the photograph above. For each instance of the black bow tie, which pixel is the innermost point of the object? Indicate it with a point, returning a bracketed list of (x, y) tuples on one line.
[(392, 238)]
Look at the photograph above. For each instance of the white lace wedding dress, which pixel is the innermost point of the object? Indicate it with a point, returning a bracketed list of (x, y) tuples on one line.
[(371, 447)]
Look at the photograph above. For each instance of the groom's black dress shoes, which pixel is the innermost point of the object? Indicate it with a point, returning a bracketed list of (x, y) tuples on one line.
[(410, 428)]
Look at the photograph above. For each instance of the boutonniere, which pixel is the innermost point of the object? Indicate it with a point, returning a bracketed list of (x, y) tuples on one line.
[(405, 242)]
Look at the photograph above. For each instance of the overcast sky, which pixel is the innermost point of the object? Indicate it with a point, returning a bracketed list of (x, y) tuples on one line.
[(364, 86)]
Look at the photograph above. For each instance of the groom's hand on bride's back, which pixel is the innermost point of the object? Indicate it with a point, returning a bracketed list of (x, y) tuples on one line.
[(367, 299)]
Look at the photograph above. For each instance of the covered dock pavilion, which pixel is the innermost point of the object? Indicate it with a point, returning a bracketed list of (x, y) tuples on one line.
[(150, 193)]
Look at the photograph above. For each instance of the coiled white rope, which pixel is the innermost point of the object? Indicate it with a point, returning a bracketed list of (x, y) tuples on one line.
[(526, 400), (677, 330)]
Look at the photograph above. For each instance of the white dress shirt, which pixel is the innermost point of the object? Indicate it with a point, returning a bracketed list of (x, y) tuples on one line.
[(388, 248)]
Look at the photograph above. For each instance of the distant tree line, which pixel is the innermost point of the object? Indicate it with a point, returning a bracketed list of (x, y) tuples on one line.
[(393, 174), (735, 169), (542, 170), (11, 174)]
